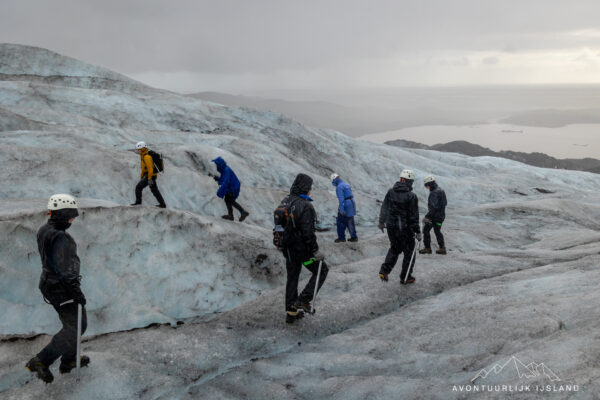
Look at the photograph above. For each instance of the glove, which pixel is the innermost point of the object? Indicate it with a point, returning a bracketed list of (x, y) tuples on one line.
[(381, 226), (419, 236), (78, 297), (319, 256), (216, 178), (427, 221), (343, 213)]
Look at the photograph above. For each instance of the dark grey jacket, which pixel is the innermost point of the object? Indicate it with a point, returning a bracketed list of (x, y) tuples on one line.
[(436, 204), (60, 279), (400, 208)]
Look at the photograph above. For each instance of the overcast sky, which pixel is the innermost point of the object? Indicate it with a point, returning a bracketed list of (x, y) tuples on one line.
[(245, 45)]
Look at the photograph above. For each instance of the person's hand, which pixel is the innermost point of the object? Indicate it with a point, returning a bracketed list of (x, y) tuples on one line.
[(79, 298), (419, 236), (319, 256), (427, 221), (216, 178), (151, 182), (381, 226), (343, 213)]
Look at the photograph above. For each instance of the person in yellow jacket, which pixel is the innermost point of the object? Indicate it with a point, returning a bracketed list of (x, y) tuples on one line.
[(147, 177)]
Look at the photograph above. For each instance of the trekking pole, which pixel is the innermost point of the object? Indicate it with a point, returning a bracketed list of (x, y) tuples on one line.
[(78, 353), (312, 307), (411, 261)]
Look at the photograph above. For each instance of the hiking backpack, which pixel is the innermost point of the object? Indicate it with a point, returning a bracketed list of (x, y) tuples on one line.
[(285, 225), (157, 159)]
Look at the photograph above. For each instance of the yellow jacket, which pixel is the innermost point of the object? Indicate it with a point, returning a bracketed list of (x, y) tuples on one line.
[(147, 165)]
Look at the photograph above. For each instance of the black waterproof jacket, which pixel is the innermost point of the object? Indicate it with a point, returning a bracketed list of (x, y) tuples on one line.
[(436, 204), (60, 279), (304, 242), (400, 209)]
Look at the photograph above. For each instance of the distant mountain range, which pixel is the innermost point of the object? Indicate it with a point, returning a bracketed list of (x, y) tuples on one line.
[(353, 121), (535, 159)]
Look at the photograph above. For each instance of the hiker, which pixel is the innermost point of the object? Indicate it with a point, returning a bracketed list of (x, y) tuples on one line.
[(435, 217), (400, 216), (346, 210), (60, 286), (229, 189), (148, 176), (300, 248)]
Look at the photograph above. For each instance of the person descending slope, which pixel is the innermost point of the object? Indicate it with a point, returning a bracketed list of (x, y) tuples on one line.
[(229, 189), (435, 216), (346, 209), (148, 176), (298, 243), (60, 286), (400, 215)]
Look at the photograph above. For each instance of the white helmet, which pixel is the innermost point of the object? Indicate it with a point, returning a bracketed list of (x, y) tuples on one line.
[(429, 179), (61, 201), (334, 176), (407, 174), (140, 145)]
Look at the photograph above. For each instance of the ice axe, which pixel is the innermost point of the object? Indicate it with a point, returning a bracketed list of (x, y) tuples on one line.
[(78, 353), (307, 263), (412, 257)]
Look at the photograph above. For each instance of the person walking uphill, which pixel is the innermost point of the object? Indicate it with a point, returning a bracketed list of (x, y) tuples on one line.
[(300, 248), (60, 286), (229, 189), (147, 177), (435, 217), (400, 215), (346, 210)]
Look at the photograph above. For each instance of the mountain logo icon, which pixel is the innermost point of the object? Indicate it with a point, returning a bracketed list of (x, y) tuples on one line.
[(529, 371)]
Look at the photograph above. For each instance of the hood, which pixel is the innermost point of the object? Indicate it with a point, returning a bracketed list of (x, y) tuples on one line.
[(402, 186), (336, 181), (302, 185), (60, 218), (221, 164)]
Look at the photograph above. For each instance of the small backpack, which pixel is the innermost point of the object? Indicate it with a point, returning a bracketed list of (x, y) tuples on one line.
[(157, 159), (285, 225)]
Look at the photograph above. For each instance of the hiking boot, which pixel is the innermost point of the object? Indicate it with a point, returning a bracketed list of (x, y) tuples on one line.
[(65, 368), (353, 240), (306, 307), (40, 369), (383, 277), (161, 205), (227, 217), (425, 250), (441, 250), (135, 204), (410, 280), (339, 240), (292, 314), (244, 215)]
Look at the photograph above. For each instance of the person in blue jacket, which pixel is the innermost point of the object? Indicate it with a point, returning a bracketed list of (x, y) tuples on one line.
[(346, 209), (229, 189)]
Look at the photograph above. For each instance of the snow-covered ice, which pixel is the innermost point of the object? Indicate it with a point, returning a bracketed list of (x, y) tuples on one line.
[(520, 279)]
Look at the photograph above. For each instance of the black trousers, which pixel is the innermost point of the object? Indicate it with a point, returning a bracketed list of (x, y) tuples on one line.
[(437, 229), (64, 343), (400, 242), (153, 188), (294, 266), (230, 203)]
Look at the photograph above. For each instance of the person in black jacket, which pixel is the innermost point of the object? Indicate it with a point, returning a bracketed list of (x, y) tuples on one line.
[(60, 286), (435, 216), (301, 248), (400, 215)]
